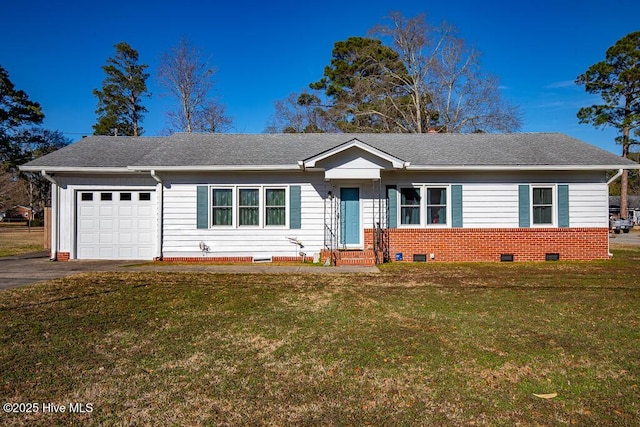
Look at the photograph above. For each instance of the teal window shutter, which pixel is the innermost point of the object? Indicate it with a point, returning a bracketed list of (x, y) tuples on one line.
[(295, 207), (392, 205), (456, 206), (563, 206), (202, 209), (524, 206)]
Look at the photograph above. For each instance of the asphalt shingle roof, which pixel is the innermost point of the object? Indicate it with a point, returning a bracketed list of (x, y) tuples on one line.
[(433, 149)]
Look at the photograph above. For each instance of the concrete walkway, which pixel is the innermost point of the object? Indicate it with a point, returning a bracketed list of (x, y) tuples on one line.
[(36, 267)]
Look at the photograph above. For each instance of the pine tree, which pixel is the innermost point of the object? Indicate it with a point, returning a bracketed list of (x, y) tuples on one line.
[(120, 110), (617, 81)]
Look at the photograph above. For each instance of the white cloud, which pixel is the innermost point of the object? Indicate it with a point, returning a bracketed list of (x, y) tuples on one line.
[(560, 84)]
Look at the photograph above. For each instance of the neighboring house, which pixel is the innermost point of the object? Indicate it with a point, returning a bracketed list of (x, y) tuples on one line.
[(633, 207), (20, 212), (356, 198)]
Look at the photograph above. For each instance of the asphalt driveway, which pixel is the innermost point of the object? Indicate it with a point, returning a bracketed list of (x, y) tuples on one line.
[(36, 267), (632, 238)]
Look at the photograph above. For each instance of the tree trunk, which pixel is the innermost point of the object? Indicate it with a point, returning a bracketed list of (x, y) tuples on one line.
[(624, 183)]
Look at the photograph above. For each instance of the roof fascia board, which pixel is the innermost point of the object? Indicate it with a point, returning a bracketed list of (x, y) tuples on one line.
[(210, 168), (521, 167), (396, 162), (92, 169)]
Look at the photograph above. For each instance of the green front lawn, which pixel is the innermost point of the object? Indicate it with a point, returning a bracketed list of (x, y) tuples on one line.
[(423, 344)]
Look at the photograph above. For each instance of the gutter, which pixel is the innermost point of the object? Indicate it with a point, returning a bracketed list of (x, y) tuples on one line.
[(55, 194), (160, 204)]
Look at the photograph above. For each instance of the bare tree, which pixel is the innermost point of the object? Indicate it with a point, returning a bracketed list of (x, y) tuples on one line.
[(410, 38), (297, 113), (444, 80), (213, 118), (188, 77)]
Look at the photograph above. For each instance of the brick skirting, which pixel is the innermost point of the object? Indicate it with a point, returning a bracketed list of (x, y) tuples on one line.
[(230, 259), (487, 244), (62, 256)]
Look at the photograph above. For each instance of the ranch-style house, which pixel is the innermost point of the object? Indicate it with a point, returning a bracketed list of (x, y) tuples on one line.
[(345, 198)]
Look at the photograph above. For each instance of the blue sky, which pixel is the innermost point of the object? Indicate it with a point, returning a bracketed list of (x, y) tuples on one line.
[(263, 51)]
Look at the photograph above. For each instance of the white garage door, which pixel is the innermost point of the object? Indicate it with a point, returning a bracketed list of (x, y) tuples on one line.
[(116, 224)]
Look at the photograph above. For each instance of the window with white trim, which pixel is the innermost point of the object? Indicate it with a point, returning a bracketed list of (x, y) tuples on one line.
[(410, 204), (275, 207), (248, 207), (222, 207), (542, 205), (255, 206), (424, 204), (436, 205)]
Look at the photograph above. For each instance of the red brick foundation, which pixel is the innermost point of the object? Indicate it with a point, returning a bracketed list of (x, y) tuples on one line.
[(226, 260), (62, 256), (486, 244)]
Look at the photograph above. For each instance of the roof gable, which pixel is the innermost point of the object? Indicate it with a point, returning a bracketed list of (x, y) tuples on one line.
[(351, 150)]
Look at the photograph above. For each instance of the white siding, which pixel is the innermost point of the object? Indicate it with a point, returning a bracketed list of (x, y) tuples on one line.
[(588, 205), (489, 205), (489, 200), (182, 237)]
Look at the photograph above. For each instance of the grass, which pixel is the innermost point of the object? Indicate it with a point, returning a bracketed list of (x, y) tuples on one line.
[(420, 344), (19, 239)]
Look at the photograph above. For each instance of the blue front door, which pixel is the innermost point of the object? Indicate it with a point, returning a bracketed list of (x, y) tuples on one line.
[(350, 216)]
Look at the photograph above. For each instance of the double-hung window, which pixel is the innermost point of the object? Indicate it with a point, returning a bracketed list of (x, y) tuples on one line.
[(248, 207), (410, 203), (424, 205), (222, 206), (436, 205), (542, 205), (256, 206), (275, 207)]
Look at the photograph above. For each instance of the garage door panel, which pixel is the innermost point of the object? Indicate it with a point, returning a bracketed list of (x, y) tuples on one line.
[(86, 211), (86, 224), (106, 252), (106, 238), (106, 210), (145, 211), (145, 238), (117, 227), (145, 224), (125, 252), (86, 238)]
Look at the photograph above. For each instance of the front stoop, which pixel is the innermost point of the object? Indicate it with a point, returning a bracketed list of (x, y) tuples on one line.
[(356, 257)]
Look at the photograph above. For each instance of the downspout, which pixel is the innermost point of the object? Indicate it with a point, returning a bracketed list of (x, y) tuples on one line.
[(54, 214), (616, 176), (160, 203), (613, 178)]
